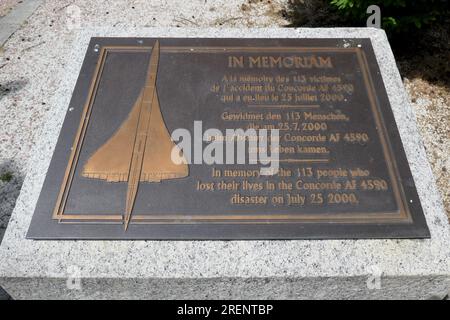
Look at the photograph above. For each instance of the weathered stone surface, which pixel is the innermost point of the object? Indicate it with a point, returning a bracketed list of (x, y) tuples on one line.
[(231, 269)]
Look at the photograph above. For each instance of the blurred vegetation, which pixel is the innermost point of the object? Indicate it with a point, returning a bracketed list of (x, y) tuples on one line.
[(398, 16), (6, 177), (418, 30)]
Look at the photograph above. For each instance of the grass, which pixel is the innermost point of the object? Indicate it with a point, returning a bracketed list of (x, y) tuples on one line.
[(6, 177)]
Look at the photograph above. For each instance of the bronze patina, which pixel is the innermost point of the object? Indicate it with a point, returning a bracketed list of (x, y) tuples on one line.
[(342, 169)]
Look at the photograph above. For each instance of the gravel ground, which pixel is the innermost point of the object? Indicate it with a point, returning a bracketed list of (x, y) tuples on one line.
[(424, 63), (36, 53), (431, 104), (32, 57), (7, 5), (425, 67), (4, 295)]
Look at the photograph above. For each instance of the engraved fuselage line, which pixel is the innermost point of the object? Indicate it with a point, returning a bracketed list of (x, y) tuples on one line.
[(146, 160)]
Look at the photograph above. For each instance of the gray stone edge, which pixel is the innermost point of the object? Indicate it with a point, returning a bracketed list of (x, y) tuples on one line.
[(231, 288), (406, 122)]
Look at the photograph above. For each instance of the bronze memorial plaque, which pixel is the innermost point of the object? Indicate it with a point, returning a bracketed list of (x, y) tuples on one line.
[(229, 139)]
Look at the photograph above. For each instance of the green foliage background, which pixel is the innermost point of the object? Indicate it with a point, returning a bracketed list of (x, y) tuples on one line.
[(398, 16)]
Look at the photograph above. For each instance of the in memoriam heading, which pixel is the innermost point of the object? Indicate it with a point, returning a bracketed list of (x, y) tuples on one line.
[(288, 62)]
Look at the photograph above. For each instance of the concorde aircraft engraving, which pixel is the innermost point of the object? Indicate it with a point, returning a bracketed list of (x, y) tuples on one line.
[(140, 150)]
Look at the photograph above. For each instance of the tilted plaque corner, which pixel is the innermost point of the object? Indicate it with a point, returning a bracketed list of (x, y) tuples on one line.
[(342, 168)]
